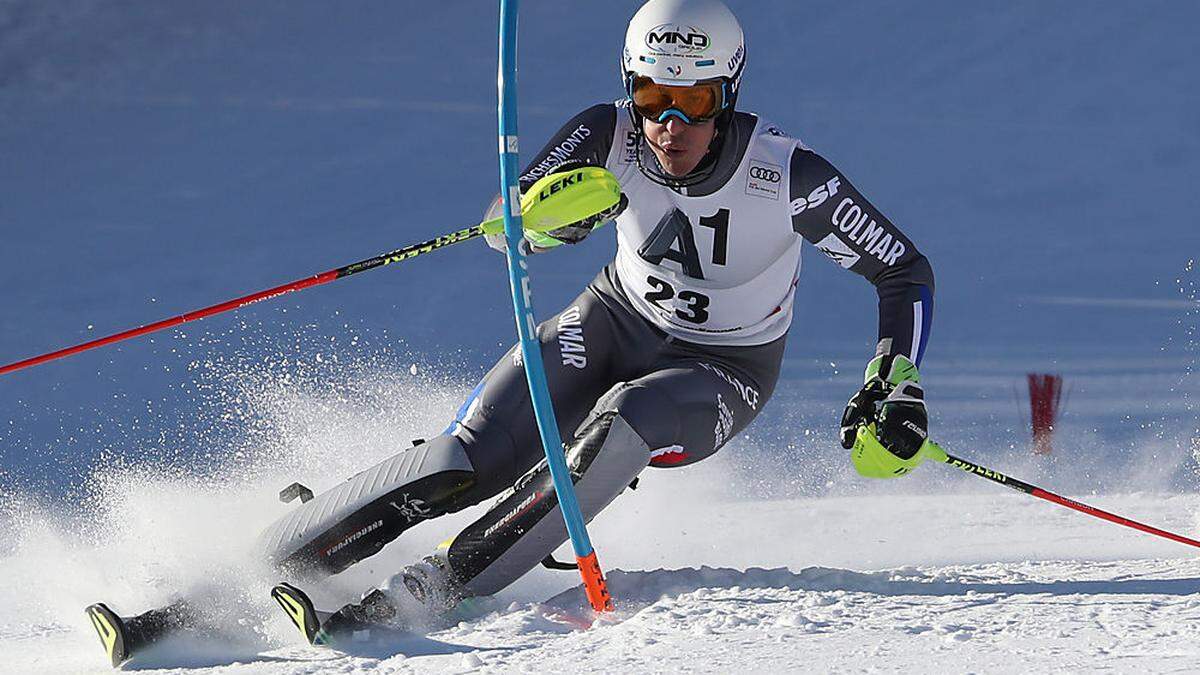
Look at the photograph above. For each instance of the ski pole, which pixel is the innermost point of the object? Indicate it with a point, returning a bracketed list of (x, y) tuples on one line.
[(934, 451), (314, 280), (594, 584)]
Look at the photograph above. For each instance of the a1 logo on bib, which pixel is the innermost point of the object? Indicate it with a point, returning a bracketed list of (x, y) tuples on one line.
[(762, 180)]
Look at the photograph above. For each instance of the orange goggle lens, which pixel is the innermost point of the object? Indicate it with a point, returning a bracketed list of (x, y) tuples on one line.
[(697, 102)]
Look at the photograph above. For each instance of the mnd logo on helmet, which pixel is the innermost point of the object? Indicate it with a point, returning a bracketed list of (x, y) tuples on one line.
[(681, 38)]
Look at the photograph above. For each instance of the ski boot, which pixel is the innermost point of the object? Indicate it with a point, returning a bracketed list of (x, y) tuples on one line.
[(426, 593), (123, 636), (429, 590)]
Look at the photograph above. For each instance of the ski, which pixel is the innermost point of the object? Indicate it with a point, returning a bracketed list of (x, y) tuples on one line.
[(111, 630), (123, 637), (304, 616), (371, 618)]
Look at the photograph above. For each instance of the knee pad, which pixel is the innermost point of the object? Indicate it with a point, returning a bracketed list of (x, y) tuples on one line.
[(526, 524), (355, 519), (652, 414)]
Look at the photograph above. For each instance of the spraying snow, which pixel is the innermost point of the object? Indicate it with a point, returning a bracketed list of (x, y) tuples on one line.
[(151, 533)]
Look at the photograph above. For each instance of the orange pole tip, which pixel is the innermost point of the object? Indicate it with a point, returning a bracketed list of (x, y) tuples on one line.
[(594, 584)]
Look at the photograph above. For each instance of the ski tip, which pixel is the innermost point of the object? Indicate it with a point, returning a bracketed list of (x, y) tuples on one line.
[(111, 630), (300, 610)]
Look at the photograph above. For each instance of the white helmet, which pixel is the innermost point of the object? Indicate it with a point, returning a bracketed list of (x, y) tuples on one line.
[(678, 42)]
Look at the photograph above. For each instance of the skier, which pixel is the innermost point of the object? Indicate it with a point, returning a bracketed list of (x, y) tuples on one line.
[(671, 351)]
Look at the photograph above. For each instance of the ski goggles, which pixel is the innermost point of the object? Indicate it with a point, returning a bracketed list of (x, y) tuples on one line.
[(693, 103)]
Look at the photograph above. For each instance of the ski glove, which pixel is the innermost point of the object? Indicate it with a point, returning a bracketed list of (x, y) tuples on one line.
[(885, 422), (576, 231), (580, 220)]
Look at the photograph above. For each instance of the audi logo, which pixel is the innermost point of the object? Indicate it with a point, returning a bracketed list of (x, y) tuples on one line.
[(769, 175)]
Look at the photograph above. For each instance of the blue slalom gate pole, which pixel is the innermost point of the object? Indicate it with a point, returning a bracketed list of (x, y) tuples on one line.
[(518, 276)]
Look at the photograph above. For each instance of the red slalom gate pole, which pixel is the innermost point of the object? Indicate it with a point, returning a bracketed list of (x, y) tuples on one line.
[(1027, 488), (1045, 401), (308, 282)]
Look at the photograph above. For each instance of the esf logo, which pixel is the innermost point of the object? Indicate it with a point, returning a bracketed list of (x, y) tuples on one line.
[(682, 38), (817, 197), (763, 173)]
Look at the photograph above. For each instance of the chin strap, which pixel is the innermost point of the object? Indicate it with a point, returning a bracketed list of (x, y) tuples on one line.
[(702, 172)]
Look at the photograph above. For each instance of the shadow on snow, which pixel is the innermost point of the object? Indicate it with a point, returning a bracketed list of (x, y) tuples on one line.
[(647, 587)]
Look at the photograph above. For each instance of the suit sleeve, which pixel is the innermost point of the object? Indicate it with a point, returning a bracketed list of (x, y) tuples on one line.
[(835, 217), (586, 137)]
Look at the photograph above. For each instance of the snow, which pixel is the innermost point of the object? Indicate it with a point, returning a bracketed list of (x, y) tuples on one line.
[(705, 581), (711, 569), (938, 572)]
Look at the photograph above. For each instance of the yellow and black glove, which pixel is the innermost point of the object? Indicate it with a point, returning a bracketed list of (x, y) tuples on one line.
[(885, 424), (562, 207)]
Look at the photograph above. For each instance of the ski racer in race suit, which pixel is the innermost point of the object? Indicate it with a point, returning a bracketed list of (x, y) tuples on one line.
[(674, 347)]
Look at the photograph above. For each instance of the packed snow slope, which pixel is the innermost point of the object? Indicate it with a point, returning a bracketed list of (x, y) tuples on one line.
[(704, 579), (159, 157)]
